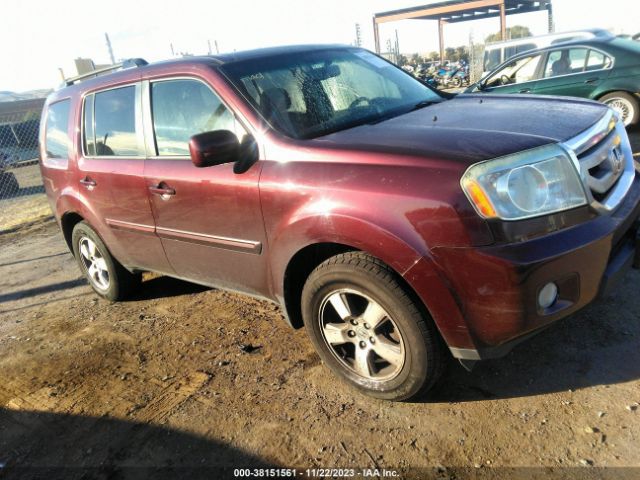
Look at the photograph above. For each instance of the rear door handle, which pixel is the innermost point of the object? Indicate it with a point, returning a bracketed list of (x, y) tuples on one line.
[(163, 190), (591, 80), (525, 90), (88, 182)]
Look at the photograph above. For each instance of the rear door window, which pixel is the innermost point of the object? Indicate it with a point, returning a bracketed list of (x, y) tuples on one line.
[(565, 62), (56, 136), (115, 123)]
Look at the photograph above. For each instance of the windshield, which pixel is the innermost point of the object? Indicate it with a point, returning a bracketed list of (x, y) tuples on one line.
[(309, 94)]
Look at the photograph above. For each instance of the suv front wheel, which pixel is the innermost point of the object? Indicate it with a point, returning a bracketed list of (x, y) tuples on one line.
[(105, 274), (369, 330)]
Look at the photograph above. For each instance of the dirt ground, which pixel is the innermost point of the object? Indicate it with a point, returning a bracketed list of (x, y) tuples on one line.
[(162, 385), (162, 381)]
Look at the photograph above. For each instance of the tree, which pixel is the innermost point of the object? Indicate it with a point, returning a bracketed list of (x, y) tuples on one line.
[(416, 59), (462, 53), (450, 54), (433, 56), (402, 60), (517, 31)]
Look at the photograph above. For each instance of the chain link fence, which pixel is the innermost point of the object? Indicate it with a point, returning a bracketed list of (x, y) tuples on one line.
[(22, 198), (476, 61)]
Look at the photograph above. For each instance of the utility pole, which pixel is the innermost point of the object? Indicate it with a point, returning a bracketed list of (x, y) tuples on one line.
[(358, 35), (173, 53), (552, 27), (113, 60), (215, 42), (209, 45)]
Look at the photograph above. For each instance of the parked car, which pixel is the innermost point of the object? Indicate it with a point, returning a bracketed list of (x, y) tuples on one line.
[(603, 69), (497, 52), (399, 225)]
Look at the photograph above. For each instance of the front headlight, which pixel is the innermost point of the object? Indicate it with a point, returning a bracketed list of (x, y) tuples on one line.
[(527, 184)]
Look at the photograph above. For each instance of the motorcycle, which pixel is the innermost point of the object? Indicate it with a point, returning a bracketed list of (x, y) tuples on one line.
[(427, 76), (454, 77), (460, 78)]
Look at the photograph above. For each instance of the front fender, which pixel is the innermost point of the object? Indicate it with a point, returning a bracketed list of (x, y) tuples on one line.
[(340, 229), (417, 269)]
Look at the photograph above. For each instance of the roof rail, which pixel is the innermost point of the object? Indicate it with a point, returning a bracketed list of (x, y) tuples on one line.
[(128, 63)]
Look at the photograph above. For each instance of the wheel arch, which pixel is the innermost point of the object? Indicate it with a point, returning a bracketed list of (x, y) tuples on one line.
[(416, 272), (303, 262), (609, 90), (67, 223)]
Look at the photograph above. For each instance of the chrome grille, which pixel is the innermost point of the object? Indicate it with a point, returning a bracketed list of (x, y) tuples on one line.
[(604, 159)]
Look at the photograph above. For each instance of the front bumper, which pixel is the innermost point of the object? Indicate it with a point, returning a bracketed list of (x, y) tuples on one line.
[(497, 287)]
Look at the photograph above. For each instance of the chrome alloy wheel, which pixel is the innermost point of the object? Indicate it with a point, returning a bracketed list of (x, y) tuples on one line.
[(361, 335), (94, 263), (622, 107)]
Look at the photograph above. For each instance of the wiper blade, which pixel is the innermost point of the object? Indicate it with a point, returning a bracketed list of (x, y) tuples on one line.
[(397, 113), (423, 104)]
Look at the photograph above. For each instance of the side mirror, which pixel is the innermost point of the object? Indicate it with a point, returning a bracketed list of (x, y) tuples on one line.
[(214, 148)]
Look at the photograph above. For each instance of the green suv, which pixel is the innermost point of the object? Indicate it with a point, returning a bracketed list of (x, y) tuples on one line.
[(604, 69)]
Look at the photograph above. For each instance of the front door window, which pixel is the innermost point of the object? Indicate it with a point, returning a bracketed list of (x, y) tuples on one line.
[(519, 71), (183, 108)]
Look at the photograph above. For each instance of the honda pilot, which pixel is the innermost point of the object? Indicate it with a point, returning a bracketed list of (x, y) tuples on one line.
[(400, 226)]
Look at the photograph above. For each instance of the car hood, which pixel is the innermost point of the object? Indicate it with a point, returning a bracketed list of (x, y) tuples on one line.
[(472, 128)]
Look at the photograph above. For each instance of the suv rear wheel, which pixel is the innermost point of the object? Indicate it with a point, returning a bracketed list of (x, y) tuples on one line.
[(369, 330), (105, 274)]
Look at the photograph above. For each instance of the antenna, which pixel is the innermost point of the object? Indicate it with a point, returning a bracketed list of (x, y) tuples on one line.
[(113, 60)]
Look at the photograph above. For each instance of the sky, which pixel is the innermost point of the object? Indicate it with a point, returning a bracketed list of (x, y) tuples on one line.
[(40, 36)]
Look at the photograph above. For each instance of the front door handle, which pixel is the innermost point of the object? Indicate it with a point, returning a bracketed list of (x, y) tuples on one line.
[(163, 190), (88, 182), (525, 90)]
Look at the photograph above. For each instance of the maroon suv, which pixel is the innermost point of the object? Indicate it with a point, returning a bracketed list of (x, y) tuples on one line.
[(394, 222)]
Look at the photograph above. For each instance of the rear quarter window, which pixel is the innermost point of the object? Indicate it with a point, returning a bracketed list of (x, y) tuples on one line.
[(56, 139)]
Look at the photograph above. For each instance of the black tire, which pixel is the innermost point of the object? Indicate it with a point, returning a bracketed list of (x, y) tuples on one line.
[(356, 275), (9, 185), (121, 282), (630, 101)]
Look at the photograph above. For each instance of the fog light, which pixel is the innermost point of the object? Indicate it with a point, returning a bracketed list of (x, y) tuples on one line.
[(548, 295)]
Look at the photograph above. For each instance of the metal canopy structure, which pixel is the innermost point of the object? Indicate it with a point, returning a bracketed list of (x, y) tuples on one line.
[(454, 11)]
